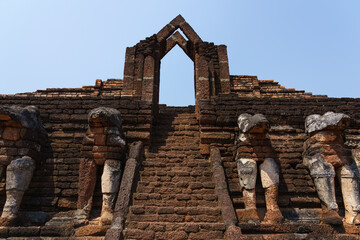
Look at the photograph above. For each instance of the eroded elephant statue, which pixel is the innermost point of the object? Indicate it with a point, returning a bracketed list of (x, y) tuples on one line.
[(22, 137), (103, 144), (326, 156), (254, 151)]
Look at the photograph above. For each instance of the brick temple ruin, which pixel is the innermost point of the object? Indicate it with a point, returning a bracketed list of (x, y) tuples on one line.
[(251, 160)]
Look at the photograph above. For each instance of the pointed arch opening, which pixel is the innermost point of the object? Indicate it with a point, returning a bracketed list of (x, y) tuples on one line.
[(142, 64), (177, 79)]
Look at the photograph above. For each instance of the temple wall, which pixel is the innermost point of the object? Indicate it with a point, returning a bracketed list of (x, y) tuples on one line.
[(179, 190), (55, 182), (287, 117), (54, 186)]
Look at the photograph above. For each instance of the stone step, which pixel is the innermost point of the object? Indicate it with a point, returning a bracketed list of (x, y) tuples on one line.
[(173, 218), (280, 236), (56, 238), (169, 109), (178, 155), (185, 153), (172, 136), (291, 227), (178, 158), (92, 232), (167, 157), (176, 170), (176, 179), (163, 153), (176, 142), (161, 230), (175, 167), (173, 139), (183, 187), (175, 203), (190, 152), (298, 236), (175, 190), (141, 210), (176, 136), (175, 120), (177, 146), (188, 125), (175, 195), (178, 124), (176, 173), (184, 184), (172, 199), (176, 115), (170, 163), (177, 127), (173, 162), (171, 175), (172, 117)]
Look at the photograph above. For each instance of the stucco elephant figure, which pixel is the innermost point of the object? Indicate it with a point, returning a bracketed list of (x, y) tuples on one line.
[(325, 155), (254, 150), (22, 137), (103, 144)]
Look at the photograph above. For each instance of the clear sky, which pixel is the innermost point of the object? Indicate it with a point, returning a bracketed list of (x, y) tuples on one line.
[(307, 45)]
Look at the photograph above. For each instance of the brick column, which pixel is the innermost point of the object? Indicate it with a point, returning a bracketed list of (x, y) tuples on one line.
[(129, 69), (148, 78), (139, 70), (202, 78), (202, 87), (224, 69)]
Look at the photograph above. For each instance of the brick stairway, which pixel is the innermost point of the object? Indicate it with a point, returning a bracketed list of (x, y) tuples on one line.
[(175, 197)]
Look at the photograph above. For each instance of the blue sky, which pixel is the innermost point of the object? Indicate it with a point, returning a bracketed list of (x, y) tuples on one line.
[(307, 45)]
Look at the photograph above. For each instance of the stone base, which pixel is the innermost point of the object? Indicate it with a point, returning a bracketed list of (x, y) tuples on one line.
[(60, 228), (299, 228), (27, 219), (297, 236), (91, 230), (305, 215)]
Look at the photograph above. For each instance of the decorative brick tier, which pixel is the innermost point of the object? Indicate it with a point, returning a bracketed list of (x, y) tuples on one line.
[(250, 86), (111, 87)]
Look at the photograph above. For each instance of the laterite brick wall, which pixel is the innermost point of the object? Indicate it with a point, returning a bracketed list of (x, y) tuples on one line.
[(218, 124), (55, 182)]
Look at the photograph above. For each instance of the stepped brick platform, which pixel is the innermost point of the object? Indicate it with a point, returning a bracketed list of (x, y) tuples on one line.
[(180, 173), (175, 197)]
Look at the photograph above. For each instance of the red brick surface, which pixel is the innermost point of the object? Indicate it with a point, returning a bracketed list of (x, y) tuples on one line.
[(175, 197)]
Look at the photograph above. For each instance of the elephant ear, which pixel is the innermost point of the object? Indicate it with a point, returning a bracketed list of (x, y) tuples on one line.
[(246, 121), (316, 122)]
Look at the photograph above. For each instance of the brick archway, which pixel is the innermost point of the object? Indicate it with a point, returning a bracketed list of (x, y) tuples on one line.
[(142, 63)]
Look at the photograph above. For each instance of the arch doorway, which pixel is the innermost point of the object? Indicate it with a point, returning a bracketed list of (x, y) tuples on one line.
[(142, 63), (176, 79)]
